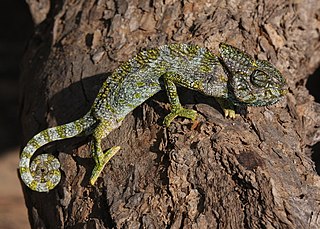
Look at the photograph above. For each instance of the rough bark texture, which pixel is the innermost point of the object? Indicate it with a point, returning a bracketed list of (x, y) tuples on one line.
[(252, 172)]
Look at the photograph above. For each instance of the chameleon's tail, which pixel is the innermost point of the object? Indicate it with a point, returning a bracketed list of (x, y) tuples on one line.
[(43, 173)]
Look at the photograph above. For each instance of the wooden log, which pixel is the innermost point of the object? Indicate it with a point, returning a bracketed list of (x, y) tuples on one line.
[(252, 172)]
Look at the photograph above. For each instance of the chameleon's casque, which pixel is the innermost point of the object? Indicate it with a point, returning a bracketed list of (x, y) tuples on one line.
[(232, 78)]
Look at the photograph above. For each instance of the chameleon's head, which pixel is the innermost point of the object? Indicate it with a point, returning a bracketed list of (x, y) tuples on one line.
[(253, 83)]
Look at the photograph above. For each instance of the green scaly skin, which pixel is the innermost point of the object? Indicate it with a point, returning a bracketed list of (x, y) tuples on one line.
[(232, 77)]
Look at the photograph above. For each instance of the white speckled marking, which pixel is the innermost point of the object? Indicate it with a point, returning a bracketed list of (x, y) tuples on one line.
[(27, 178), (24, 162), (71, 129), (42, 187), (29, 149), (40, 139), (53, 134)]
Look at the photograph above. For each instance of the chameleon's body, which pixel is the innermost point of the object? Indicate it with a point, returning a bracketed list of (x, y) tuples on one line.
[(232, 78)]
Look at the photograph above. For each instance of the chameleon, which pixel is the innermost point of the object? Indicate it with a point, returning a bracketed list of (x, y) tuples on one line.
[(232, 77)]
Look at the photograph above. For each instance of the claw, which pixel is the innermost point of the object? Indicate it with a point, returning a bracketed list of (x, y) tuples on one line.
[(182, 112), (102, 162), (227, 107), (229, 113)]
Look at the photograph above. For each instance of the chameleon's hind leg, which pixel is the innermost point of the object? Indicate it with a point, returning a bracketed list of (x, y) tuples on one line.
[(170, 79), (101, 158), (227, 107)]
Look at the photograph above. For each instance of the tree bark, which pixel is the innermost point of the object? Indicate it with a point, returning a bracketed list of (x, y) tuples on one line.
[(255, 171)]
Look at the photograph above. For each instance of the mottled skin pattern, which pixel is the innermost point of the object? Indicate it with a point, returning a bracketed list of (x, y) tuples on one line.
[(232, 77)]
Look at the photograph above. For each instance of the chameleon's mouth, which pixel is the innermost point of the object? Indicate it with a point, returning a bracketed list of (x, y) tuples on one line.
[(256, 97)]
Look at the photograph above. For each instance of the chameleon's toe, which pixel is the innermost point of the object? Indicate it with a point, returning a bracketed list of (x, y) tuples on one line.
[(229, 113), (182, 112), (103, 160), (227, 107)]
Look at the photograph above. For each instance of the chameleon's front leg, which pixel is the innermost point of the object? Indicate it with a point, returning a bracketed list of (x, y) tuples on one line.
[(101, 158), (176, 109)]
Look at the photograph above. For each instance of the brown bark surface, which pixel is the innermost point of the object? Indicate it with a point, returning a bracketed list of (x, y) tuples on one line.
[(252, 172)]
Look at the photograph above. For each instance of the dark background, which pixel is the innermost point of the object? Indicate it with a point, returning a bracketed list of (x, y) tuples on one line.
[(16, 28)]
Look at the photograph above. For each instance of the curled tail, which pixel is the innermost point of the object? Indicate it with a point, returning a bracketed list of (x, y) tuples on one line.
[(43, 173)]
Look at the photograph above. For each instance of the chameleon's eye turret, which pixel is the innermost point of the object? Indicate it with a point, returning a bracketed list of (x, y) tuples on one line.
[(259, 78), (252, 82)]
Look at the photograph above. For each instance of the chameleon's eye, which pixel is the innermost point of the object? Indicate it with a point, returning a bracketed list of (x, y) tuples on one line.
[(259, 78)]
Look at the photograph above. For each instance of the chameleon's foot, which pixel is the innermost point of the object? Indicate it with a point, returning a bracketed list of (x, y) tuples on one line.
[(229, 113), (227, 107), (102, 162), (182, 112)]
